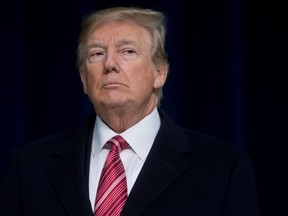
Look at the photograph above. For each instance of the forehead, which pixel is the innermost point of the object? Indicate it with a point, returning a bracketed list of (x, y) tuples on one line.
[(119, 30)]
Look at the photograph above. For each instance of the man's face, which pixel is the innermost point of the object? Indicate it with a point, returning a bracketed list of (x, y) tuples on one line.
[(118, 71)]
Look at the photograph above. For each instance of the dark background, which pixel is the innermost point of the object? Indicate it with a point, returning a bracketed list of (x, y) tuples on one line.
[(227, 77)]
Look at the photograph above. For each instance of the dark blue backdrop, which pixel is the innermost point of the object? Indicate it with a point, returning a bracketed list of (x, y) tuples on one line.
[(227, 79)]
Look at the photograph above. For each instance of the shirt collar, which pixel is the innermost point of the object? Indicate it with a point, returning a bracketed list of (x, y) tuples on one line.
[(140, 136)]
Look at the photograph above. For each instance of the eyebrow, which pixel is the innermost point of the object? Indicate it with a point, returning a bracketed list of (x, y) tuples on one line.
[(118, 44), (126, 42)]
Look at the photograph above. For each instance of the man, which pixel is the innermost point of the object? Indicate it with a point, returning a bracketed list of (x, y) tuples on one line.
[(167, 170)]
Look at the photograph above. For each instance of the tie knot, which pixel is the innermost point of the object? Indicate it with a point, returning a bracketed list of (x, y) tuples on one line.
[(117, 143)]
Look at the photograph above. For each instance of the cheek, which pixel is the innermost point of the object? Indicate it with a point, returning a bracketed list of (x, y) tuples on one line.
[(145, 81), (92, 77)]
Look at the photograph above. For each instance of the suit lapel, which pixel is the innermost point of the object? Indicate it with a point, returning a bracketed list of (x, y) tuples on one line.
[(162, 166), (68, 175)]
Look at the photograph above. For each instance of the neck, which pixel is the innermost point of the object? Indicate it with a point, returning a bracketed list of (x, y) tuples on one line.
[(120, 120)]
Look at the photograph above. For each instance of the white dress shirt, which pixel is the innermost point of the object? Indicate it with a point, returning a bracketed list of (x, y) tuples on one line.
[(140, 138)]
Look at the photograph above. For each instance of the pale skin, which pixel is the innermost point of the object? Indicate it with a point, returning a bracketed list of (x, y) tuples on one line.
[(119, 75)]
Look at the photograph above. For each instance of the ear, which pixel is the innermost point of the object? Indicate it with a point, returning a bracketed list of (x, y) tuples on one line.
[(83, 78), (161, 73)]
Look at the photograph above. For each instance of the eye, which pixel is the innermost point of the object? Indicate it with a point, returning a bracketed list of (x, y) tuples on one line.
[(128, 51), (94, 56)]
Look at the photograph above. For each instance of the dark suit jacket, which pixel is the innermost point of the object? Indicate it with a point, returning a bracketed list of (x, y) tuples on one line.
[(186, 173)]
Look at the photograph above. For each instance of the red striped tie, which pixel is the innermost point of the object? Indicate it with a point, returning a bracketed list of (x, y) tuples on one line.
[(112, 188)]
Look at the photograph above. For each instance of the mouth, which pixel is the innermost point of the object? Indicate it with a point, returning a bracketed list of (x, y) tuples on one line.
[(112, 85)]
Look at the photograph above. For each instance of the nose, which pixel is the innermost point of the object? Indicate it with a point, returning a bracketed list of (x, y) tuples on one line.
[(111, 62)]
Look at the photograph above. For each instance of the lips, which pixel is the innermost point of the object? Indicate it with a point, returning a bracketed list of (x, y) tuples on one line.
[(112, 84)]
